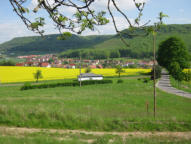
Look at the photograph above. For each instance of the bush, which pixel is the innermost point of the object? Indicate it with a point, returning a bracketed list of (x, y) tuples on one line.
[(146, 80), (176, 71), (7, 63), (96, 82), (187, 76), (120, 81), (158, 71), (27, 86)]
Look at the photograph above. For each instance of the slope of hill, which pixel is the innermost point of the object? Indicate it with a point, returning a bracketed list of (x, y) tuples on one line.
[(100, 46), (49, 44), (140, 47)]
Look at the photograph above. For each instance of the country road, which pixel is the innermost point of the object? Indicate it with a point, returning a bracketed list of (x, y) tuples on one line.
[(164, 85), (24, 130)]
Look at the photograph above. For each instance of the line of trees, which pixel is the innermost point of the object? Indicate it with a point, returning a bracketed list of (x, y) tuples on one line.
[(7, 63), (104, 54)]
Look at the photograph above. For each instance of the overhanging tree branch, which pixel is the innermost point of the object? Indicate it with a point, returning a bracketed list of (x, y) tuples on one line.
[(84, 17)]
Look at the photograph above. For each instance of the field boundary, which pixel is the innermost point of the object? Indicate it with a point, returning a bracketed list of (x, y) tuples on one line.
[(24, 130)]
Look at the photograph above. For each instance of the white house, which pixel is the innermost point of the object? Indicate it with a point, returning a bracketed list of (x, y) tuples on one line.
[(89, 76)]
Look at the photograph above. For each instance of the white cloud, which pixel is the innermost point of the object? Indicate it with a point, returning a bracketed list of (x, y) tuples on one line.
[(109, 28), (34, 3), (12, 29), (98, 5), (122, 4), (182, 20)]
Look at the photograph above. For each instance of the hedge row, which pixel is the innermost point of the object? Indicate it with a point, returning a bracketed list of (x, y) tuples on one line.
[(92, 82), (28, 86)]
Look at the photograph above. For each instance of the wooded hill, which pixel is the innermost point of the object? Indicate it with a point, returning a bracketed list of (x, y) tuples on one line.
[(100, 46)]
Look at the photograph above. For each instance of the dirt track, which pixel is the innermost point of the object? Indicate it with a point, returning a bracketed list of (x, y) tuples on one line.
[(20, 131)]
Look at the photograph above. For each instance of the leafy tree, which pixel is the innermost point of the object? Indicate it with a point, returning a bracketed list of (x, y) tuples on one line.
[(187, 75), (158, 71), (65, 62), (119, 70), (38, 75), (114, 54), (50, 60), (7, 63), (173, 50), (133, 66), (88, 70), (176, 72)]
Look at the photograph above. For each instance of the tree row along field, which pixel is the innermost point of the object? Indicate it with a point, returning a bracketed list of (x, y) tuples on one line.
[(21, 74)]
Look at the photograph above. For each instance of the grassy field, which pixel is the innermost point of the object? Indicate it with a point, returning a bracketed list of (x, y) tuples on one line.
[(185, 86), (108, 107), (45, 138)]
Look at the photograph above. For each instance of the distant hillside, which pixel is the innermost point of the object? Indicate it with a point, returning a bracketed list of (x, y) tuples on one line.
[(100, 46), (49, 44), (140, 47)]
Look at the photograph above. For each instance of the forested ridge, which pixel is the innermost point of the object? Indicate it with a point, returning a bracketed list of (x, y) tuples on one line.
[(100, 46)]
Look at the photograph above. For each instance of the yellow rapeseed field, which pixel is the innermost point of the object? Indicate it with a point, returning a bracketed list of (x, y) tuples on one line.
[(21, 74), (187, 70)]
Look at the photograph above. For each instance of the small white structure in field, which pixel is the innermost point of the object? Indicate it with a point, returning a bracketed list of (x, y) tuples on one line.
[(89, 76)]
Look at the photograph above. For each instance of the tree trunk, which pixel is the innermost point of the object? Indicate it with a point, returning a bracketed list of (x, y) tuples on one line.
[(80, 71), (154, 75)]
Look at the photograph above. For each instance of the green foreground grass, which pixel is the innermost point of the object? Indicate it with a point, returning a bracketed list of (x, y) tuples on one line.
[(185, 86), (99, 140), (108, 107)]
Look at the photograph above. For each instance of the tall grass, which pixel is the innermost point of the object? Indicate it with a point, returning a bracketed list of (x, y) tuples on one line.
[(109, 107), (184, 85)]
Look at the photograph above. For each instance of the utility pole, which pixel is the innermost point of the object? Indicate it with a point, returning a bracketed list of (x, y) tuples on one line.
[(80, 70), (154, 70)]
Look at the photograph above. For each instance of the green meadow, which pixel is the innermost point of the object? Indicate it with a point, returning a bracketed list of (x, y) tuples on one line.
[(184, 85), (106, 107)]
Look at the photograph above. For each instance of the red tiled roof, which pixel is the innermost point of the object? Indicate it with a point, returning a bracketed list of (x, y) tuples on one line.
[(44, 64), (93, 66), (19, 64)]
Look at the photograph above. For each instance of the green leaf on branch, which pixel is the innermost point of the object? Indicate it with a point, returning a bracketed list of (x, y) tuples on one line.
[(64, 36), (62, 19), (38, 23), (23, 10)]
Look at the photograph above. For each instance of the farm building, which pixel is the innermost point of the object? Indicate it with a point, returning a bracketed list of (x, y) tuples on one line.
[(89, 76)]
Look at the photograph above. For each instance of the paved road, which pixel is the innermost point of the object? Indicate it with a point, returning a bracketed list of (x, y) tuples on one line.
[(164, 84)]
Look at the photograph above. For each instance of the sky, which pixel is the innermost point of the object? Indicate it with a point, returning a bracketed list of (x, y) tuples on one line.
[(179, 12)]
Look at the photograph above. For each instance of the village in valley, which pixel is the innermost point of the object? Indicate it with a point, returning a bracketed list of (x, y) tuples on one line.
[(52, 60)]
